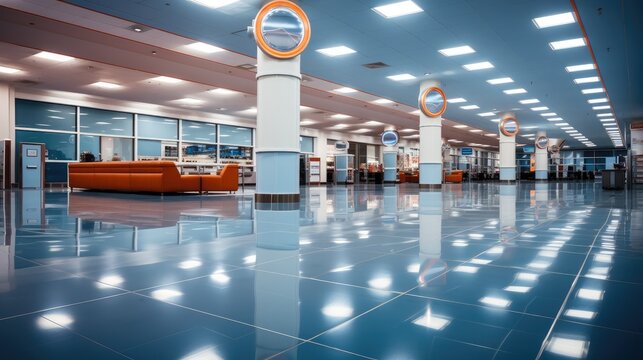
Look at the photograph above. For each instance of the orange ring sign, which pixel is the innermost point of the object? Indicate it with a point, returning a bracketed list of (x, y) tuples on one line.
[(433, 102), (509, 126), (282, 29)]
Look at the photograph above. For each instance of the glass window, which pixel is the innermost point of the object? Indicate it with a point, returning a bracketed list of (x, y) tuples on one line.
[(157, 127), (55, 172), (115, 149), (157, 150), (45, 116), (59, 146), (199, 153), (91, 144), (106, 122), (238, 154), (235, 135), (199, 131), (306, 144)]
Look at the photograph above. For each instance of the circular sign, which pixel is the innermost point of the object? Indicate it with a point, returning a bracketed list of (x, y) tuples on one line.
[(433, 102), (542, 142), (509, 126), (390, 138), (282, 29)]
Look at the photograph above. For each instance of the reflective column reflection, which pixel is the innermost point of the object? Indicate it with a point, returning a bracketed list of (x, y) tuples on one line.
[(507, 202), (390, 204), (277, 296), (430, 236)]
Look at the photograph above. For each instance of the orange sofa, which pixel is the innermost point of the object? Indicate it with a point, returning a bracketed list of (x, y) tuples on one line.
[(227, 180), (409, 177), (454, 176), (142, 176)]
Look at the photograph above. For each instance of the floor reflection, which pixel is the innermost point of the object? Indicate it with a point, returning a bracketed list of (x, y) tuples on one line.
[(531, 270)]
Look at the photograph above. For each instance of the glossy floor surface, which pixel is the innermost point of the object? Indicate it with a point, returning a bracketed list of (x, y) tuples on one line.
[(477, 271)]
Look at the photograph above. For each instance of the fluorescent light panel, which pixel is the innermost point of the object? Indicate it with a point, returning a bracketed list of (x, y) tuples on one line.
[(540, 108), (106, 85), (583, 67), (204, 48), (470, 107), (53, 56), (529, 101), (397, 9), (456, 100), (214, 4), (459, 50), (602, 107), (401, 77), (554, 20), (9, 70), (345, 90), (167, 80), (514, 91), (587, 80), (336, 51), (478, 66), (593, 91), (487, 114), (504, 80), (567, 44)]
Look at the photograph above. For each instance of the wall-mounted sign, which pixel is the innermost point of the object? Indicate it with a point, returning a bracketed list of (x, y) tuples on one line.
[(466, 151), (433, 102), (282, 29), (542, 142), (528, 149), (509, 126), (341, 146), (390, 138)]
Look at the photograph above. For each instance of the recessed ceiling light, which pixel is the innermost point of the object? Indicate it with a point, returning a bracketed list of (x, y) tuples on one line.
[(478, 66), (382, 101), (529, 101), (408, 130), (586, 80), (540, 108), (460, 126), (8, 70), (204, 48), (167, 79), (459, 50), (597, 101), (593, 91), (339, 126), (307, 122), (106, 85), (475, 130), (222, 91), (605, 120), (555, 119), (53, 56), (469, 107), (192, 101), (601, 107), (567, 128), (339, 116), (373, 123), (561, 124), (359, 131), (548, 114), (345, 90), (604, 114), (415, 112), (567, 44), (401, 77), (583, 67), (495, 120), (487, 114), (336, 51), (504, 80), (397, 9), (514, 91), (554, 20), (215, 4), (456, 100), (491, 134)]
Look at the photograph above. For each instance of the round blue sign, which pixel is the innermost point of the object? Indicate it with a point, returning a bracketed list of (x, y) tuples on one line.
[(390, 138)]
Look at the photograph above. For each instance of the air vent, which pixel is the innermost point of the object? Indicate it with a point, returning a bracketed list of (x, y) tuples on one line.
[(376, 65), (249, 67)]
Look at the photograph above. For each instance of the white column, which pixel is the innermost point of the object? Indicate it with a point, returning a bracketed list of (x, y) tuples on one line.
[(389, 155), (278, 94), (430, 235), (430, 145), (8, 121), (541, 159), (507, 154)]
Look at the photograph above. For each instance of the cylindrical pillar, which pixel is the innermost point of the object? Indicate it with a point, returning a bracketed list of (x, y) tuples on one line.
[(278, 93), (390, 164), (507, 154), (541, 159), (430, 144)]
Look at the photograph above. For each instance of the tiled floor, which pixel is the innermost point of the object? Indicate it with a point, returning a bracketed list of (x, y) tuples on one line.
[(477, 271)]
